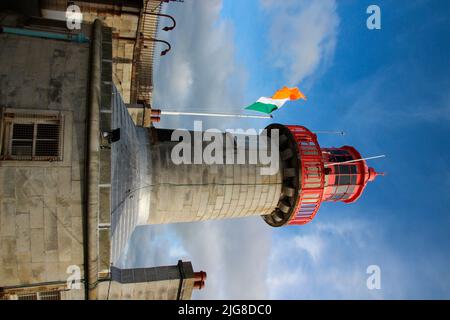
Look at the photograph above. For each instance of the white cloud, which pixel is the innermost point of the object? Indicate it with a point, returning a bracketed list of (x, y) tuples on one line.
[(302, 36), (178, 252), (327, 260), (200, 72), (234, 253), (285, 279), (336, 267), (313, 245)]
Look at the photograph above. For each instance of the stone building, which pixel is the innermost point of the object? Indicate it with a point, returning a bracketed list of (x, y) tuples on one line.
[(58, 163)]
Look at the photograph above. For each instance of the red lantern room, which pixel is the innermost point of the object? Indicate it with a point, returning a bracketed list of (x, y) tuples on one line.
[(345, 178), (312, 174)]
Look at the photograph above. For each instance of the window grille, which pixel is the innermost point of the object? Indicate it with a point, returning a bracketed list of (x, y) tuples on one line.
[(27, 296), (27, 136), (50, 295), (42, 295)]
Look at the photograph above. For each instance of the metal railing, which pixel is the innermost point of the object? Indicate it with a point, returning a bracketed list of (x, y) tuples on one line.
[(144, 52), (312, 176)]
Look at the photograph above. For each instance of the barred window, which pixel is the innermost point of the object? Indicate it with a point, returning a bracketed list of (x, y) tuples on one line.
[(50, 295), (27, 296), (28, 136), (42, 295)]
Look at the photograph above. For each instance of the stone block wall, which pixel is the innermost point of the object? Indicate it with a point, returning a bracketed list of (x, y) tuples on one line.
[(41, 202), (196, 192)]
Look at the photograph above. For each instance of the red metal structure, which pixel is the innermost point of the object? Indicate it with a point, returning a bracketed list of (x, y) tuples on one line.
[(345, 181), (313, 175)]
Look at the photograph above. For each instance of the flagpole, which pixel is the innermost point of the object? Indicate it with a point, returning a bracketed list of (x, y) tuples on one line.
[(356, 160), (205, 114)]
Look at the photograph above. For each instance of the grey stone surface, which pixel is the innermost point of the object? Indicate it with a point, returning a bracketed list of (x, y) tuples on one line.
[(104, 248), (183, 193), (156, 283), (105, 205), (128, 163), (41, 202)]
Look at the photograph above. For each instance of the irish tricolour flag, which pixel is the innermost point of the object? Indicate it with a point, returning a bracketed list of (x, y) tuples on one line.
[(267, 105)]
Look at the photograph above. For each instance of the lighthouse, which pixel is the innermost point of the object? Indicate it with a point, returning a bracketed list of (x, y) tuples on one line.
[(151, 187), (307, 175)]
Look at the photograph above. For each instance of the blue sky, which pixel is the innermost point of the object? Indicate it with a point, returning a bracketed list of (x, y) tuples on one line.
[(388, 89)]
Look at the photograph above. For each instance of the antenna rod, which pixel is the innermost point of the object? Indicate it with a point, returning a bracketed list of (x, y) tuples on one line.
[(204, 114), (342, 133), (356, 160)]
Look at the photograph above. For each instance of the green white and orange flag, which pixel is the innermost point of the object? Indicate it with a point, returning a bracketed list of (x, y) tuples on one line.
[(268, 105)]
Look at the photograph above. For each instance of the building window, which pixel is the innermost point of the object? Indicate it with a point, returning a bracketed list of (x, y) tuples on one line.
[(42, 295), (49, 295), (28, 136), (27, 296)]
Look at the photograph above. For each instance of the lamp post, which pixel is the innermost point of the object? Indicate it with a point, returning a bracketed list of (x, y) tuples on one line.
[(167, 28), (164, 52)]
